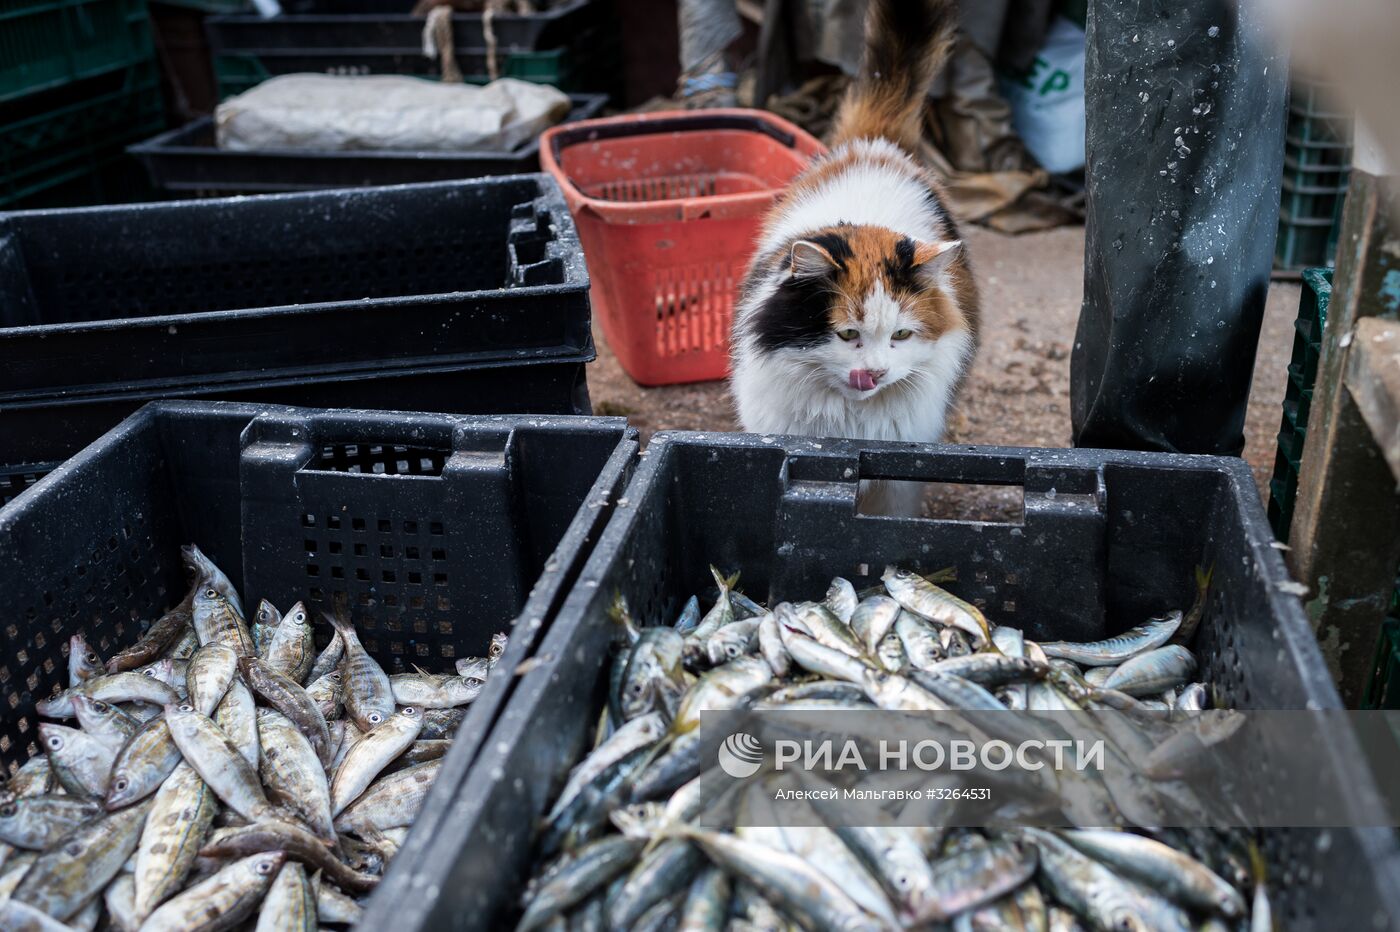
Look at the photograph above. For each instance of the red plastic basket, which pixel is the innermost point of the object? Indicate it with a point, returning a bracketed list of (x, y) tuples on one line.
[(668, 206)]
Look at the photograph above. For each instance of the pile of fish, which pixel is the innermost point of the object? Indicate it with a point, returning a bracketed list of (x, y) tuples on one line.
[(221, 770), (649, 834)]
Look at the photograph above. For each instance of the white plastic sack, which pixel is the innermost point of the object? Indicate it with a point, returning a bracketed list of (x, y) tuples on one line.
[(356, 112), (1047, 104)]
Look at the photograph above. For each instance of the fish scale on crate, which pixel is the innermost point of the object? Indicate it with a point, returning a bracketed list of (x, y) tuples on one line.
[(237, 769)]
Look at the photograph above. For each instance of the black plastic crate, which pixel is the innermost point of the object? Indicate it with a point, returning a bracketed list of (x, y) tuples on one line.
[(187, 159), (435, 531), (387, 24), (198, 297), (19, 477), (1105, 535), (49, 430)]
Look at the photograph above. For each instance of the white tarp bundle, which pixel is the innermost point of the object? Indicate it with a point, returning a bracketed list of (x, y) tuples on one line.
[(357, 112)]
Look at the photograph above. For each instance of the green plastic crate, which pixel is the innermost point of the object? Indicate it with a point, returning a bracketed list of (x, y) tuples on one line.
[(83, 136), (1383, 690), (1297, 399), (238, 73), (1316, 171), (49, 43)]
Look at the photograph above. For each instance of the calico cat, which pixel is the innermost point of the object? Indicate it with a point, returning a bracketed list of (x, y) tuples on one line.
[(858, 316)]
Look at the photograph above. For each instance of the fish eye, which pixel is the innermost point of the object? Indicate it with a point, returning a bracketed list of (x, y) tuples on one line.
[(187, 708), (91, 658), (902, 881), (409, 710), (98, 705), (298, 618), (374, 718), (637, 689), (264, 867), (848, 334), (149, 672), (475, 681), (8, 809), (120, 784), (211, 592), (54, 741), (902, 334)]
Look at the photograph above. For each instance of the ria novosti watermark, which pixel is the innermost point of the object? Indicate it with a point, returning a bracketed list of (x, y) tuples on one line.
[(1223, 768), (958, 754)]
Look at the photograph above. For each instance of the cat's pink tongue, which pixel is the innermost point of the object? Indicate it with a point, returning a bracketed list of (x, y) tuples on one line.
[(861, 380)]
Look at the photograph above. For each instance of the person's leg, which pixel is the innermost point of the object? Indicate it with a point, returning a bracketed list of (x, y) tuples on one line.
[(1185, 108)]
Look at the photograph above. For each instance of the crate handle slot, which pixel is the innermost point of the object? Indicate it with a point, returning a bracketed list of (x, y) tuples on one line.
[(535, 256), (396, 544), (373, 444), (1063, 531)]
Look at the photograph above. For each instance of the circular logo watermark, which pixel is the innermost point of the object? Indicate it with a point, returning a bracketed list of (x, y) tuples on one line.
[(741, 755)]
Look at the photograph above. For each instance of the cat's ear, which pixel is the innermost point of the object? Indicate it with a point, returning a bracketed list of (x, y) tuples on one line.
[(932, 258), (810, 260)]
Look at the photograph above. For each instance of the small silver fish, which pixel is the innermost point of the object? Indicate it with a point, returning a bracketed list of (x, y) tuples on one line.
[(1150, 634), (221, 901), (1154, 671), (83, 662)]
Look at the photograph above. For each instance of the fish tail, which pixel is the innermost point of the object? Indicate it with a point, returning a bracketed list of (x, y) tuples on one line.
[(945, 575), (620, 614)]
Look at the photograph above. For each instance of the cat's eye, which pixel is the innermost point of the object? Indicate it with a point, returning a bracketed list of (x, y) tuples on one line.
[(849, 334), (902, 334)]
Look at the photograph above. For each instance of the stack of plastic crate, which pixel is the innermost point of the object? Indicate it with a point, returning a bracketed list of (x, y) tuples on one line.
[(78, 82), (1316, 169)]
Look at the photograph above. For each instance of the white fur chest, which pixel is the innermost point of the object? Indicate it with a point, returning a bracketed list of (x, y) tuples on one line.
[(781, 393)]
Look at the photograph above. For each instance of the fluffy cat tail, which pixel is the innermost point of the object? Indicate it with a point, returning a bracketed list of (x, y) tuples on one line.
[(906, 44)]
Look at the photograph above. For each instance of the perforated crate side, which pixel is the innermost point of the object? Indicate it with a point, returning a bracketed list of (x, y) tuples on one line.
[(584, 66), (1297, 401), (101, 556), (1317, 164), (427, 532), (78, 139), (48, 43)]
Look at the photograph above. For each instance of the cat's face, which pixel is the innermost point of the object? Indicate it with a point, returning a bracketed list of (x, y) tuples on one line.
[(863, 306)]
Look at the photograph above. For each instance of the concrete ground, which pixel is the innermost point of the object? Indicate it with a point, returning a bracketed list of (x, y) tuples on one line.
[(1018, 393)]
